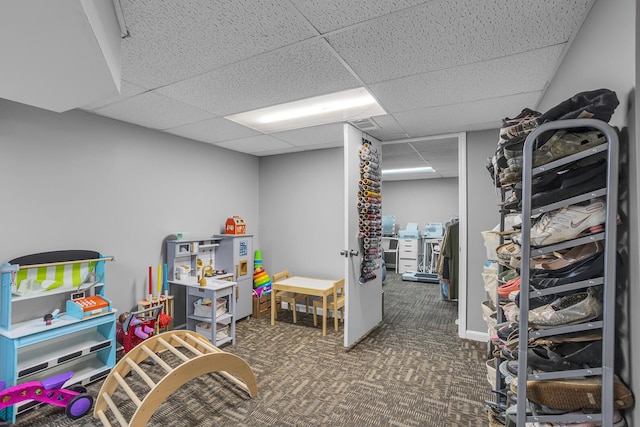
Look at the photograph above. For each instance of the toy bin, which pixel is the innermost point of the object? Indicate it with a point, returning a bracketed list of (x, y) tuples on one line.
[(204, 309), (222, 331), (204, 328)]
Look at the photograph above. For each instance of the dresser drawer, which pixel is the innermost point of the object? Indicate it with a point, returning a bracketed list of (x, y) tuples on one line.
[(408, 253), (408, 244), (407, 265)]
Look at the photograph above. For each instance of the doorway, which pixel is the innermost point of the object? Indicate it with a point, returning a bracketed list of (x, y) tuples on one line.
[(429, 197)]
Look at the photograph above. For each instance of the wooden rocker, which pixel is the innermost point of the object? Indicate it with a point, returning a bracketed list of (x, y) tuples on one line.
[(205, 358)]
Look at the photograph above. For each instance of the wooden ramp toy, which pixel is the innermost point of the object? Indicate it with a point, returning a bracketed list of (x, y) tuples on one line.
[(199, 357)]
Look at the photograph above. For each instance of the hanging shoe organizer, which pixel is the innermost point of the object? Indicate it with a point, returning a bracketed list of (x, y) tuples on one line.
[(578, 294)]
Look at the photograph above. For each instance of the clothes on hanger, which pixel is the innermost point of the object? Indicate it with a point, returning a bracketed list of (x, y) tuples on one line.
[(448, 262)]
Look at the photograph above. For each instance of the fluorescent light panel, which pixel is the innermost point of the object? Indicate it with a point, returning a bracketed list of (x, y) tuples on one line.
[(352, 104), (407, 170)]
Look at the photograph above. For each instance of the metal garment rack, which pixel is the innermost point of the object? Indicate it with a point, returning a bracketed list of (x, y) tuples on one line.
[(607, 324)]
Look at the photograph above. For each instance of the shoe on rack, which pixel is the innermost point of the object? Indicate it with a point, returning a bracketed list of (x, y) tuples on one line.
[(542, 359), (567, 180), (511, 312), (565, 356), (510, 286), (525, 114), (505, 251), (567, 261), (579, 353), (576, 393), (521, 128), (578, 337), (568, 310), (507, 274), (508, 331), (585, 271), (566, 223), (618, 419), (562, 144), (571, 184)]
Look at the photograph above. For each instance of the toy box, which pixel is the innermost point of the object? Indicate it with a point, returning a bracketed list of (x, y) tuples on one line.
[(203, 308), (83, 307), (261, 306), (235, 225)]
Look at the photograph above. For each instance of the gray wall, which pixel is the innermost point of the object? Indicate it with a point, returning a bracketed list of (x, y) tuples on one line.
[(482, 214), (302, 213), (421, 201), (78, 181)]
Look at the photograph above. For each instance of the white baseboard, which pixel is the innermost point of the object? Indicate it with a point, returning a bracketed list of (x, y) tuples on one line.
[(476, 336)]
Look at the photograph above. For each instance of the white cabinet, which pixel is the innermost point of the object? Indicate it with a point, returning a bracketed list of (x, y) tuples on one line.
[(409, 254)]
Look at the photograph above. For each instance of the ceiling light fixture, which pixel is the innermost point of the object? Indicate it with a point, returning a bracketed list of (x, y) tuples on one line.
[(342, 106), (407, 170)]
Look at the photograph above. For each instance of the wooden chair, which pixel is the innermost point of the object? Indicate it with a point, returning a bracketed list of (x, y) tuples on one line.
[(335, 302), (290, 298)]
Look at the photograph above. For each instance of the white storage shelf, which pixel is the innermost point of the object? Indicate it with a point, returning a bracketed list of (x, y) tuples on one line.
[(43, 355)]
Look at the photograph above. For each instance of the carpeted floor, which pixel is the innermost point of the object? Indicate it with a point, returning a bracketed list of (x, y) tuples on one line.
[(411, 371)]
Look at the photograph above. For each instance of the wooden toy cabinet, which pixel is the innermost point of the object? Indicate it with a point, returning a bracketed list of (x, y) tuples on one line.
[(31, 350)]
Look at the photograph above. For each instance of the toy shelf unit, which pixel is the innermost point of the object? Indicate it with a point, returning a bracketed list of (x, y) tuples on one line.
[(71, 338), (211, 310)]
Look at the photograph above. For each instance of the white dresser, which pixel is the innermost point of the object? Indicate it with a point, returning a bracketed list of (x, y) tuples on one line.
[(409, 254)]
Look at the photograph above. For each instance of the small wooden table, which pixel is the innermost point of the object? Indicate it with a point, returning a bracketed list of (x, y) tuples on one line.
[(303, 285)]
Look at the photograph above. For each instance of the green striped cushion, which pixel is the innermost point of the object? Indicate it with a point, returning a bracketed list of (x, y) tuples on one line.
[(68, 275)]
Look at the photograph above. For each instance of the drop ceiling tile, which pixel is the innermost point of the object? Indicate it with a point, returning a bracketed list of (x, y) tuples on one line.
[(154, 111), (389, 129), (330, 15), (289, 74), (257, 144), (523, 72), (330, 135), (397, 149), (445, 163), (282, 151), (461, 117), (127, 90), (171, 41), (213, 130), (436, 147), (403, 162), (444, 34), (411, 176)]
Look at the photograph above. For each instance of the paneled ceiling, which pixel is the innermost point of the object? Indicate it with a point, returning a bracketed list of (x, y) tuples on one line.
[(436, 67)]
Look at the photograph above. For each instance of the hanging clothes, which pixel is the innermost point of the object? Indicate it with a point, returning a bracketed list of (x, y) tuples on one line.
[(450, 257)]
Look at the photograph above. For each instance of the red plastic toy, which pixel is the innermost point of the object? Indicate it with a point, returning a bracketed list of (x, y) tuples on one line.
[(143, 321), (75, 399)]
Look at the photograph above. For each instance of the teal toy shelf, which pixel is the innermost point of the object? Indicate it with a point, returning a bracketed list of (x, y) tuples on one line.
[(33, 348)]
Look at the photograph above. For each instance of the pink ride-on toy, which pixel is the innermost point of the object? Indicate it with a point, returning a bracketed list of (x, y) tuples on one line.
[(75, 399)]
